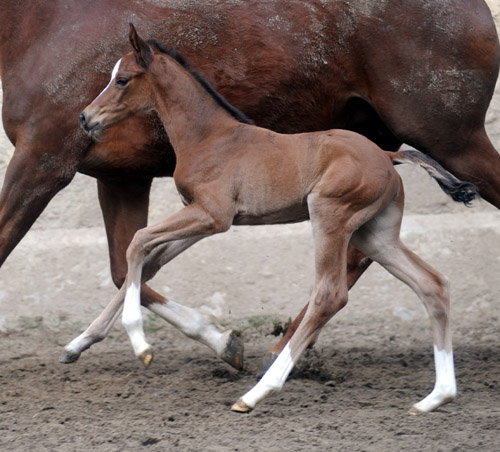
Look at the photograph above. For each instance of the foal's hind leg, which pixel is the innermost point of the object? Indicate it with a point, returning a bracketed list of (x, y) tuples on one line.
[(379, 239)]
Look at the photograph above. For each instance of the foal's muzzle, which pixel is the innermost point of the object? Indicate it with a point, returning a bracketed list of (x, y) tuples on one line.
[(89, 129)]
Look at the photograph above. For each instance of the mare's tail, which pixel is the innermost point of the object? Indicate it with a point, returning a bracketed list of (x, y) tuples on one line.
[(459, 191)]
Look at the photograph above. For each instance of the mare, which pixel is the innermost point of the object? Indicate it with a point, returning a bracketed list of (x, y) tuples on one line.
[(232, 172), (419, 71)]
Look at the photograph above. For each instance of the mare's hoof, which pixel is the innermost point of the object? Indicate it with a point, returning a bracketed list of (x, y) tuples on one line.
[(146, 357), (241, 407), (68, 357), (233, 352), (266, 362)]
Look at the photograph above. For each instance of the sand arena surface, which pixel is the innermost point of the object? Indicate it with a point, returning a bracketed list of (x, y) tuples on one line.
[(352, 391)]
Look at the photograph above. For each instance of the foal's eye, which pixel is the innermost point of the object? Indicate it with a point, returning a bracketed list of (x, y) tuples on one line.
[(122, 81)]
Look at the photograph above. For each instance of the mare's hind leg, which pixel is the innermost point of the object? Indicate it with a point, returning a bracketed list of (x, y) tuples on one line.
[(379, 239), (474, 160)]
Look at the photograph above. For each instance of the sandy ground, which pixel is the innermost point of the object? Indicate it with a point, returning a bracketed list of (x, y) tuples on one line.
[(352, 391)]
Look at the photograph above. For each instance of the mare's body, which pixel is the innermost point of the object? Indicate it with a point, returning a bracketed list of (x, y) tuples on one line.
[(420, 72)]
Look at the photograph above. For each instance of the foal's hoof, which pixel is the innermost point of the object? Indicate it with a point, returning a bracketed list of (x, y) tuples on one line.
[(233, 351), (241, 407), (146, 357), (414, 411), (68, 357)]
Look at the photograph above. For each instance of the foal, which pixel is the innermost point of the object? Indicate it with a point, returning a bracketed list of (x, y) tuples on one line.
[(230, 172)]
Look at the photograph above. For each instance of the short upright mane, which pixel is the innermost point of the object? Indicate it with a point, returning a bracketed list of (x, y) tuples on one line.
[(172, 52)]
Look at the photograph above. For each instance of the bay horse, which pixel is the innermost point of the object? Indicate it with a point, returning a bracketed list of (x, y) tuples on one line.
[(231, 172), (291, 66)]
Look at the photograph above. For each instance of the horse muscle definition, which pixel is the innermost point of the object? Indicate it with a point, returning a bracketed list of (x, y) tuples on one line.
[(231, 172), (291, 66)]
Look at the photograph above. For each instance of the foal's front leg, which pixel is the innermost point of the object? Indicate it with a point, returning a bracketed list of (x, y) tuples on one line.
[(329, 295), (190, 224), (357, 263)]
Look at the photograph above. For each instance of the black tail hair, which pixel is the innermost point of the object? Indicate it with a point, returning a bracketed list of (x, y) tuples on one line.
[(459, 191)]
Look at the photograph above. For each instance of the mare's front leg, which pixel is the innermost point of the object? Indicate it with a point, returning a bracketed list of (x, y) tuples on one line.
[(124, 204), (153, 247), (33, 178)]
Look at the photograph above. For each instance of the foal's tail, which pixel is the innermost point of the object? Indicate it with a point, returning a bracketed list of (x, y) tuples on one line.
[(459, 191)]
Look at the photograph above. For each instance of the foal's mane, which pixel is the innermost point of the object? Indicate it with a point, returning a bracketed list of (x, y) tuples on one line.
[(172, 52)]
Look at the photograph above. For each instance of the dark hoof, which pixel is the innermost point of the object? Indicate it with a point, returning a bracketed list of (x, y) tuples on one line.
[(233, 353), (68, 357)]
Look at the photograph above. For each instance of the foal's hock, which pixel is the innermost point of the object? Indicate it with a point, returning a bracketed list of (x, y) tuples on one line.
[(231, 172)]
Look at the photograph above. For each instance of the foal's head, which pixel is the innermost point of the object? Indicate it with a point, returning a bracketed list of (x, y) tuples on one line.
[(127, 93)]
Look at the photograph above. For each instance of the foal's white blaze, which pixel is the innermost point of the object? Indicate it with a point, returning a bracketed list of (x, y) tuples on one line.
[(113, 75), (132, 319), (445, 388), (193, 324), (273, 379)]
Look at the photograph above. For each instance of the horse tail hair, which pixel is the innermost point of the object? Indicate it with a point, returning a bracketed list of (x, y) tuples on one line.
[(459, 191)]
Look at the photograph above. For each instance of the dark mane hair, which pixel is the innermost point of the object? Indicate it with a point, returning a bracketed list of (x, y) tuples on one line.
[(172, 52)]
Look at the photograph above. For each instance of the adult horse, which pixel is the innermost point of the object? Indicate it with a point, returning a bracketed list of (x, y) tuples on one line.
[(420, 72)]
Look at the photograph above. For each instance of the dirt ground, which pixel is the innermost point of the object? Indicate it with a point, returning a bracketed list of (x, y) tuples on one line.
[(350, 393)]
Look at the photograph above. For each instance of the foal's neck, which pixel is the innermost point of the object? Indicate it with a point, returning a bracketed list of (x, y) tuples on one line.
[(189, 113)]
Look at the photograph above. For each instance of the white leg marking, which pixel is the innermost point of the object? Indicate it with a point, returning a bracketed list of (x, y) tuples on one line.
[(132, 319), (78, 344), (96, 332), (445, 388), (193, 324), (273, 379), (113, 75)]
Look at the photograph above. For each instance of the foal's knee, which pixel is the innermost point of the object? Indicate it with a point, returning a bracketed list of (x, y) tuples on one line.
[(137, 247)]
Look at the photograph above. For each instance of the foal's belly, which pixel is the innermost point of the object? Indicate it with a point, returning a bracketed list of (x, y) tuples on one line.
[(291, 214)]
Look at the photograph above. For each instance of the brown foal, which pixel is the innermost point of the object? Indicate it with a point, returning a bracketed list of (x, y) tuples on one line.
[(231, 172)]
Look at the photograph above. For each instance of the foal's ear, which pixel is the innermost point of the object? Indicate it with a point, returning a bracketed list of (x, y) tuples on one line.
[(142, 51)]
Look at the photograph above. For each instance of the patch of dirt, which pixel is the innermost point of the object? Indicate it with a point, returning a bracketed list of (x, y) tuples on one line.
[(353, 394)]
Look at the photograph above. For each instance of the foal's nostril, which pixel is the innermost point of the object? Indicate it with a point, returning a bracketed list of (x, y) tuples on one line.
[(83, 122)]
